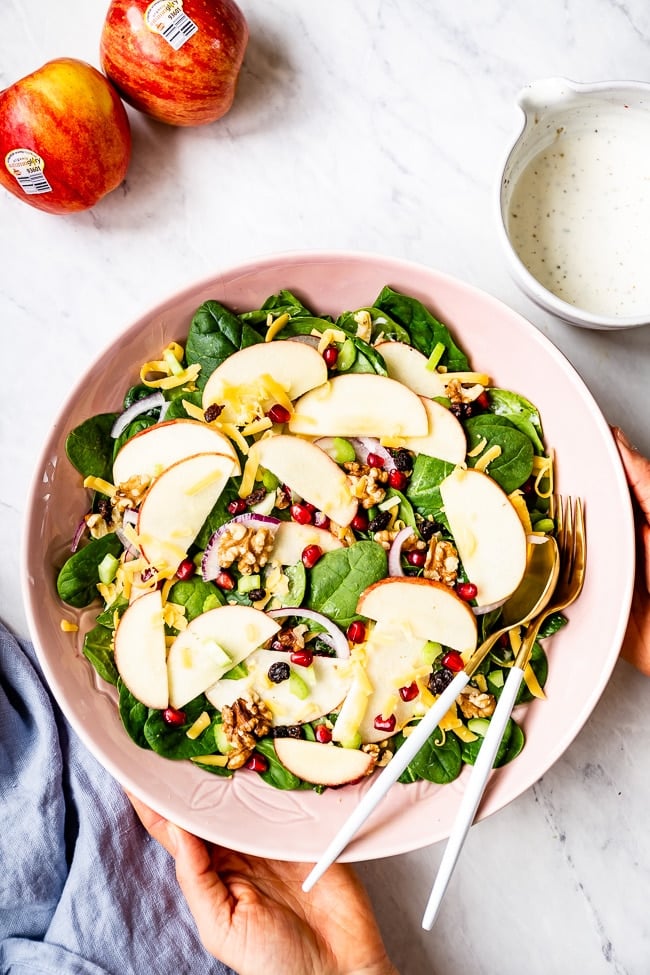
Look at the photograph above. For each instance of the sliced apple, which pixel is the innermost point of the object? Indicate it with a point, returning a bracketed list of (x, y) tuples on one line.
[(489, 535), (409, 366), (211, 645), (328, 680), (153, 450), (140, 650), (291, 539), (322, 764), (295, 366), (446, 437), (426, 610), (177, 504), (310, 473), (360, 405)]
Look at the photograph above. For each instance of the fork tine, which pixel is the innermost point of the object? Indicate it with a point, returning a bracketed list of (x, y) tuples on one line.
[(580, 542)]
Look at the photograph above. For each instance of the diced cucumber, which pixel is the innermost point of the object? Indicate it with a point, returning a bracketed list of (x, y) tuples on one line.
[(247, 583), (431, 651), (495, 680), (478, 726), (270, 481), (342, 451), (347, 355), (221, 740), (107, 568), (297, 686)]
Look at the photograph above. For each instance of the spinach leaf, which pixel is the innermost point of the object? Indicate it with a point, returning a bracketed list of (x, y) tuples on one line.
[(171, 741), (141, 423), (424, 330), (423, 490), (439, 763), (515, 744), (539, 665), (382, 324), (107, 616), (193, 594), (98, 649), (552, 624), (214, 769), (368, 359), (521, 413), (303, 325), (515, 463), (134, 715), (215, 333), (512, 739), (276, 775), (176, 410), (89, 446), (77, 580), (339, 577), (405, 510), (297, 576), (282, 303)]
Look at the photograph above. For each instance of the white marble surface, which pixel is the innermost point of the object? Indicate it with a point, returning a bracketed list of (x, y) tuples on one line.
[(375, 125)]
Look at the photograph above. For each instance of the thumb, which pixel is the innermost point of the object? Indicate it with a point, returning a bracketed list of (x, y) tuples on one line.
[(637, 469)]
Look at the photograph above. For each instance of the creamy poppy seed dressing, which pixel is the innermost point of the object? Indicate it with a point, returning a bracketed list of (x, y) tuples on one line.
[(579, 216)]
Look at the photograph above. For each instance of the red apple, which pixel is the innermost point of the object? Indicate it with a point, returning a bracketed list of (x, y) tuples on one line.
[(65, 138), (175, 60)]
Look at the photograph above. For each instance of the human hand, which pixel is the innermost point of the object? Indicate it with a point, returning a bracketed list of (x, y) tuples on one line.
[(636, 645), (252, 914)]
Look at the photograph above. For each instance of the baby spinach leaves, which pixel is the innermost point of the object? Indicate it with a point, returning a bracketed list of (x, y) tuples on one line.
[(133, 714), (423, 490), (89, 446), (439, 760), (514, 465), (424, 329), (195, 594), (520, 412), (98, 649), (339, 576), (512, 742), (171, 741), (77, 580), (215, 333)]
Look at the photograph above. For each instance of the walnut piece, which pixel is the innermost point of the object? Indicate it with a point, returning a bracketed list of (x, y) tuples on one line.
[(129, 494), (249, 547), (476, 704), (441, 563), (381, 754), (244, 723), (366, 483)]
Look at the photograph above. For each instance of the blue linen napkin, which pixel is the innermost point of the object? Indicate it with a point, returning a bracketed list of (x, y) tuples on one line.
[(83, 889)]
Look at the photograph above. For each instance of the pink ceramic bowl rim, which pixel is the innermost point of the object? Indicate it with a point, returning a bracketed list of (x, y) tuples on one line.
[(244, 813)]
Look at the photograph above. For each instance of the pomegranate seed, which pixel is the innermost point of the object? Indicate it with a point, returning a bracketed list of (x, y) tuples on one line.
[(356, 632), (225, 581), (321, 520), (323, 734), (483, 400), (416, 558), (278, 414), (310, 556), (173, 717), (237, 507), (397, 480), (302, 658), (360, 522), (301, 514), (452, 660), (309, 506), (374, 460), (257, 763), (466, 591), (410, 692), (330, 355), (385, 724), (185, 569)]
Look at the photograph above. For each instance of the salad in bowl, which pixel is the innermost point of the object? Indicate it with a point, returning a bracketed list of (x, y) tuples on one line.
[(296, 530)]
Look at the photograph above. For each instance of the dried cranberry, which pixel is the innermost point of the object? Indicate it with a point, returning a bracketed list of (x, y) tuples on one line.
[(356, 632), (301, 514), (256, 594), (483, 400), (379, 522), (428, 529), (417, 559), (374, 460), (174, 718), (462, 411), (397, 480), (278, 414), (302, 658), (279, 672), (402, 459), (186, 569), (323, 734), (310, 556), (439, 680), (257, 763), (330, 355), (212, 412), (255, 497), (466, 591), (237, 507), (410, 692), (385, 724), (452, 660), (321, 520), (225, 581)]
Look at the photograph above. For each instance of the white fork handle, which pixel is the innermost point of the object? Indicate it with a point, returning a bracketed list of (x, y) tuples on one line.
[(387, 777), (473, 794)]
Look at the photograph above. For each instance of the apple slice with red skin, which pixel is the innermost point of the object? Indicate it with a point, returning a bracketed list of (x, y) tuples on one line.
[(153, 450), (488, 532), (360, 405), (195, 661), (291, 539), (322, 764), (446, 437), (140, 650), (293, 365), (310, 473), (176, 506), (189, 82)]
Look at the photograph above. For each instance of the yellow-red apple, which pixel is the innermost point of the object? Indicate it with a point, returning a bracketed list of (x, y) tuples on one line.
[(175, 60), (65, 138)]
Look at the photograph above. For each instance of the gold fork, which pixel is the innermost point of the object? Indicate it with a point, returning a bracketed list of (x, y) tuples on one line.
[(572, 544)]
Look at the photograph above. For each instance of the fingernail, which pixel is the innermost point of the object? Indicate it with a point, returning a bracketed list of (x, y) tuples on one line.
[(620, 436)]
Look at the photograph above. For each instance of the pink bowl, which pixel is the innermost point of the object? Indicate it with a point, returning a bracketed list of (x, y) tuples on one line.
[(244, 813)]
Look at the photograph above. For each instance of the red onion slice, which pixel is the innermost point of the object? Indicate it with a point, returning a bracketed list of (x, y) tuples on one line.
[(370, 445), (395, 553), (136, 409), (479, 610), (78, 535), (339, 640), (210, 567), (129, 548)]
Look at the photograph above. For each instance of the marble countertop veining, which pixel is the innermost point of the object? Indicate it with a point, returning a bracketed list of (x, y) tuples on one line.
[(381, 126)]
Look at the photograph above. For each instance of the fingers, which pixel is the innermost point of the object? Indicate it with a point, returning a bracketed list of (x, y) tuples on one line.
[(156, 825), (637, 469)]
